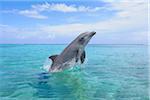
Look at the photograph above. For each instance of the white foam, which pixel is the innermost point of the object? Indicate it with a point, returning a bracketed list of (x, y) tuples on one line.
[(47, 64)]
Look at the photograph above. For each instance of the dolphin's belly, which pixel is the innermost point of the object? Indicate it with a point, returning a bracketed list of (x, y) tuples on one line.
[(69, 64), (68, 55)]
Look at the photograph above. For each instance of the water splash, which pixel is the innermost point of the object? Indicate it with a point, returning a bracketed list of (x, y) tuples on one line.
[(46, 66)]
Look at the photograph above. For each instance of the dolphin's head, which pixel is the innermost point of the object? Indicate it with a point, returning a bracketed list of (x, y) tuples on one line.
[(84, 38)]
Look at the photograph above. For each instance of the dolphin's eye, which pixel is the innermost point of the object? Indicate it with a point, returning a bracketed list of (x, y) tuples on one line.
[(82, 39)]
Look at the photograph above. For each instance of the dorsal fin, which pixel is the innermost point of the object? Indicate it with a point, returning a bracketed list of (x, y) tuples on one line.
[(53, 57), (82, 58)]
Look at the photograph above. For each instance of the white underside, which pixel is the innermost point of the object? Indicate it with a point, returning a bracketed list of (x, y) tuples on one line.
[(69, 64)]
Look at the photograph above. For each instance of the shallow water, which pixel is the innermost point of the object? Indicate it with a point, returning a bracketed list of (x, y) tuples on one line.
[(110, 72)]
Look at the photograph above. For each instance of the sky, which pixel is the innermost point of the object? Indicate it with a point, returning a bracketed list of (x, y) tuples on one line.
[(60, 21)]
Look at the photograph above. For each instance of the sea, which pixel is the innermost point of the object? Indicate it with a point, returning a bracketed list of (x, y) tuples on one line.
[(110, 72)]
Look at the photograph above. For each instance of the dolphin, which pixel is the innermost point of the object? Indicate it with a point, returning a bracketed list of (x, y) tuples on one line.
[(74, 53)]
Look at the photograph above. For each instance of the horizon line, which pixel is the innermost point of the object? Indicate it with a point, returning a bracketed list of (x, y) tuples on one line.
[(62, 44)]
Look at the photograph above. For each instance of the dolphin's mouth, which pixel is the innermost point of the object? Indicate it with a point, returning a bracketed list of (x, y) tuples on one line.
[(92, 34)]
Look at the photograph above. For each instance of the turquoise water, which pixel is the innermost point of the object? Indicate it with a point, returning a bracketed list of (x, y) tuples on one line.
[(110, 72)]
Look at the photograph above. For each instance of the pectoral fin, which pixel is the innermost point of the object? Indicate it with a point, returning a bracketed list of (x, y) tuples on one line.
[(82, 58), (53, 57)]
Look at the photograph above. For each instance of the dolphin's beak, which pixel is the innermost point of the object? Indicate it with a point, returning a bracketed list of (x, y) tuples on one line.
[(92, 34)]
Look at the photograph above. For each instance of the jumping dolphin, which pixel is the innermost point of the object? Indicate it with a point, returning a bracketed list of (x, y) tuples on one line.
[(72, 54)]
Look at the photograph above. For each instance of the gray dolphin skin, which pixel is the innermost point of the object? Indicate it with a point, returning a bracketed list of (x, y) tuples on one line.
[(74, 53)]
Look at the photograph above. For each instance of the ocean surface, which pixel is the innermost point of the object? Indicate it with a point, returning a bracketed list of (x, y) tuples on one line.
[(110, 72)]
